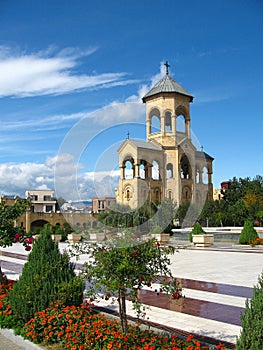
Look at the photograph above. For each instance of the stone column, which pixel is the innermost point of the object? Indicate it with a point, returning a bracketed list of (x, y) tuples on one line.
[(122, 171), (148, 127), (28, 220), (173, 124), (136, 171), (188, 131), (163, 124)]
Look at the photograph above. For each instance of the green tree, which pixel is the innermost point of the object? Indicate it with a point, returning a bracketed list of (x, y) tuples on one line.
[(9, 233), (248, 233), (47, 276), (120, 268), (237, 213), (251, 336), (181, 211), (164, 215), (248, 190), (60, 202)]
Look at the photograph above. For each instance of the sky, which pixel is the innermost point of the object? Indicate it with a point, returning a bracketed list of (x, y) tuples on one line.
[(72, 75)]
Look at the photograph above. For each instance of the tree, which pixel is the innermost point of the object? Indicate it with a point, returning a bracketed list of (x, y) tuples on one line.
[(247, 190), (248, 233), (121, 267), (181, 211), (165, 215), (251, 336), (9, 233), (60, 202), (47, 276), (253, 202), (237, 213)]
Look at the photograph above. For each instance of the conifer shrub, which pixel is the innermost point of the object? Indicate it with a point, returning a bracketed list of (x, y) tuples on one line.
[(248, 233), (47, 276), (197, 230), (251, 336)]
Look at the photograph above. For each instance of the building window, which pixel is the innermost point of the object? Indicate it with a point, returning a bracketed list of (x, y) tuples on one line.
[(49, 208), (169, 171)]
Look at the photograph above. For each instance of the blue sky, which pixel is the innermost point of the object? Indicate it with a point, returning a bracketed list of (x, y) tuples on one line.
[(72, 74)]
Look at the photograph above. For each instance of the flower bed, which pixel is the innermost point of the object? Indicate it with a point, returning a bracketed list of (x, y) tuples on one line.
[(256, 241), (80, 328)]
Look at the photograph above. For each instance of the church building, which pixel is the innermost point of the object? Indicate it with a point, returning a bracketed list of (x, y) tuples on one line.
[(167, 164)]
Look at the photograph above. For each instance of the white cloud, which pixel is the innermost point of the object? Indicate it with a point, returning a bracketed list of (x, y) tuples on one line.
[(63, 171), (45, 123), (117, 112), (154, 80), (46, 73), (15, 179)]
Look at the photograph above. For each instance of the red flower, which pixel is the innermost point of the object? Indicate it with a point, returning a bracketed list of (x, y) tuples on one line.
[(29, 240), (28, 248)]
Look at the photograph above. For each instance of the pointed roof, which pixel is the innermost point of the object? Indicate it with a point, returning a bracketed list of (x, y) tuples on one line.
[(202, 154), (167, 85)]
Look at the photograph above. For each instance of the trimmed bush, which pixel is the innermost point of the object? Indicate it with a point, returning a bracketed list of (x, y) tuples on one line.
[(248, 233), (197, 230), (251, 336), (46, 277)]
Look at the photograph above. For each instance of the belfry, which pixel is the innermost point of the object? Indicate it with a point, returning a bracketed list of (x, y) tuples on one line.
[(167, 164)]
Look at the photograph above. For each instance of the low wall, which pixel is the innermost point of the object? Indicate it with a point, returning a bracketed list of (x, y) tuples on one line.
[(221, 234)]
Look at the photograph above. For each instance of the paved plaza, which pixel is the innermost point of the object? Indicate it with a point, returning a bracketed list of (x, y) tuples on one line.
[(216, 283)]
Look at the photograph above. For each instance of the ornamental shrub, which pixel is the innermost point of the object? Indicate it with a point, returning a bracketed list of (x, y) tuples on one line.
[(251, 336), (248, 233), (47, 276), (197, 230)]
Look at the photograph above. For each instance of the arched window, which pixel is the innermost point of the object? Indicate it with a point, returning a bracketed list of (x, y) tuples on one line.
[(128, 194), (170, 194), (169, 171), (197, 178), (155, 170), (155, 121), (142, 171), (187, 195), (185, 168), (205, 175), (129, 170), (168, 121), (180, 123), (155, 124)]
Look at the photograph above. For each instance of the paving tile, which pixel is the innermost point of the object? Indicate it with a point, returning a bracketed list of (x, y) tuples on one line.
[(216, 283)]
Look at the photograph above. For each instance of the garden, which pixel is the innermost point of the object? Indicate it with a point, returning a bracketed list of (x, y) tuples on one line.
[(47, 307), (46, 304)]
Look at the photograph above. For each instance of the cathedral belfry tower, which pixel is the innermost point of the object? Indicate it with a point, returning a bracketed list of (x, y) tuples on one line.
[(167, 164)]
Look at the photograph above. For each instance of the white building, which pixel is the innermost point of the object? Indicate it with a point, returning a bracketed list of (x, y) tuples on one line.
[(42, 201)]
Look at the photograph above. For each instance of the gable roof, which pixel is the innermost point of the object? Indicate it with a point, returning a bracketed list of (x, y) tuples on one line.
[(141, 144), (167, 85)]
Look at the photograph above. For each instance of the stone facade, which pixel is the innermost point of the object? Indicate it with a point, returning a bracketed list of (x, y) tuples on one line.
[(167, 164), (36, 216), (101, 204)]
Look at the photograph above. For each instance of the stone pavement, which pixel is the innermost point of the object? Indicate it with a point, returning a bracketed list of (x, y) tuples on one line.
[(6, 344), (9, 341), (216, 283)]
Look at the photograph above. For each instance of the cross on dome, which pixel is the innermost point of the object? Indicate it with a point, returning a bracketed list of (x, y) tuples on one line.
[(167, 65)]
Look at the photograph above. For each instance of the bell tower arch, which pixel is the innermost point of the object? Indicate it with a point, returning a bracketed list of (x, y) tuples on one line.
[(168, 144), (168, 102)]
